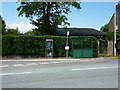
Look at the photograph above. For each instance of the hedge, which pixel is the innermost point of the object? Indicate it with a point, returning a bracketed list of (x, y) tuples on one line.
[(30, 45)]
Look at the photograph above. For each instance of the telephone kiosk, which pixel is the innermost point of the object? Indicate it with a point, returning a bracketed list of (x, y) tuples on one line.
[(49, 48)]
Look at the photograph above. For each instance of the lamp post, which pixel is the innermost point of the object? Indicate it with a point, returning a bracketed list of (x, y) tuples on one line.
[(67, 47)]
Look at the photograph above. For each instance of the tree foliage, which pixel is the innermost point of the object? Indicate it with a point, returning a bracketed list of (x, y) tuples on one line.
[(2, 26), (13, 31), (47, 15), (104, 28), (6, 31), (30, 32)]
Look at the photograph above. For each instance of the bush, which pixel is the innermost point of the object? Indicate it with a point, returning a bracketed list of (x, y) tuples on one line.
[(110, 36)]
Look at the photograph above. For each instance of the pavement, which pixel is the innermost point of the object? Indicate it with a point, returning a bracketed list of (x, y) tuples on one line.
[(62, 73), (54, 59)]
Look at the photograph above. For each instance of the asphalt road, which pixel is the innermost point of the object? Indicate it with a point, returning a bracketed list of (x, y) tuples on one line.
[(60, 74)]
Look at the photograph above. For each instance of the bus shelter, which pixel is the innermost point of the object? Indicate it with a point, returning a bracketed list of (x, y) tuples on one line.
[(82, 47)]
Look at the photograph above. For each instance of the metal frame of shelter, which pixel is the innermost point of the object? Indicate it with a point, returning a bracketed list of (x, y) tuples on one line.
[(82, 47)]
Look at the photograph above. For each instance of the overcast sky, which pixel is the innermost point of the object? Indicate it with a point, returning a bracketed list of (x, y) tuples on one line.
[(91, 15)]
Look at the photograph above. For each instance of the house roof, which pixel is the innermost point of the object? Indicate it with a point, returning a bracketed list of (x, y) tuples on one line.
[(80, 32)]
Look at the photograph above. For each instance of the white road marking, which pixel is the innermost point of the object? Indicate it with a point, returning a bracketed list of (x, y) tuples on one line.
[(31, 64), (94, 68), (55, 62), (4, 66), (44, 63), (15, 73), (18, 65)]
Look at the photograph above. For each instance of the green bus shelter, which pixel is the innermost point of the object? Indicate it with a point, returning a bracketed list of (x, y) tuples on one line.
[(82, 47)]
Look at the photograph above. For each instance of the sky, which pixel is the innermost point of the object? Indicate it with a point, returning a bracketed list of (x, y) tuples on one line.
[(91, 15)]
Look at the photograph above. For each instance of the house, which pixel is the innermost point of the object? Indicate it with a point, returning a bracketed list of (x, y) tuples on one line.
[(111, 22), (111, 29)]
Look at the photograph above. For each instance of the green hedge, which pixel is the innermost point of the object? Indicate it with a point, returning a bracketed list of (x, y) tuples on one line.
[(29, 45)]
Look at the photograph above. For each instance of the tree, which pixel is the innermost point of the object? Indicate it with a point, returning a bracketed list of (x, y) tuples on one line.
[(46, 15), (6, 31), (104, 28), (13, 31), (30, 32), (2, 26)]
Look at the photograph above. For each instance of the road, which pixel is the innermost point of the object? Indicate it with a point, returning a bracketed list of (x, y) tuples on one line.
[(60, 74)]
